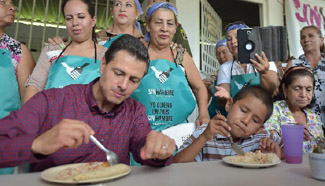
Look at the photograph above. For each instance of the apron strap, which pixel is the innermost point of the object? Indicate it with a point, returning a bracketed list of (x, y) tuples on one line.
[(171, 50), (70, 43)]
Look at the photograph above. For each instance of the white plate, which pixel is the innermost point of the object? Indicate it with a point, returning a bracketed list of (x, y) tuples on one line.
[(51, 173), (227, 160)]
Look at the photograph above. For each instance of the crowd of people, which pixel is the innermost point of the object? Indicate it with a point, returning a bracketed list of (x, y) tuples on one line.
[(127, 84)]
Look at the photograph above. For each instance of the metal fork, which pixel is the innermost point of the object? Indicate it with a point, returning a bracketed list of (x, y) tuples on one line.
[(111, 156), (234, 146)]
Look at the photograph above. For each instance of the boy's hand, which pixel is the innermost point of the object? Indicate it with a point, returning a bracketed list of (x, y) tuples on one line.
[(217, 125), (268, 145)]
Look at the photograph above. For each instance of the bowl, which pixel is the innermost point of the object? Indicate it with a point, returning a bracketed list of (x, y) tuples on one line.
[(317, 165)]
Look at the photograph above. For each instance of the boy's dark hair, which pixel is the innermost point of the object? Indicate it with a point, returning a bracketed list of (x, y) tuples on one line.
[(258, 92), (91, 11), (131, 45)]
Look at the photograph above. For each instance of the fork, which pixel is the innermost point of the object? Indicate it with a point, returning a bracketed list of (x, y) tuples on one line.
[(76, 72), (234, 146), (164, 75)]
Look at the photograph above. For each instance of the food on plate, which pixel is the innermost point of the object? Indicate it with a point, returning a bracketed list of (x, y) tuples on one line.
[(71, 172), (91, 170), (255, 158), (101, 173)]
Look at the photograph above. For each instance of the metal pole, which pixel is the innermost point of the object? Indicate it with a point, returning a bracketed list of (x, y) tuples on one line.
[(58, 23), (18, 19), (31, 25), (45, 21), (106, 15)]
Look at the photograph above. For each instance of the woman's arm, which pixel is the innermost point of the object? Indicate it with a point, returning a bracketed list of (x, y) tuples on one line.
[(37, 81), (198, 88), (24, 69), (269, 78)]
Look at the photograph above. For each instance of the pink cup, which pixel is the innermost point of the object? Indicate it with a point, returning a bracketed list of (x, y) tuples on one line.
[(293, 136)]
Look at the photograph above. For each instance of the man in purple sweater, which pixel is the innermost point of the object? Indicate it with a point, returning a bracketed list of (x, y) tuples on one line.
[(54, 126)]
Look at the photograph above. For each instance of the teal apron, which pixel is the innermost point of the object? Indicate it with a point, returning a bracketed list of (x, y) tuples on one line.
[(109, 42), (165, 93), (239, 81), (214, 104), (10, 97), (67, 70)]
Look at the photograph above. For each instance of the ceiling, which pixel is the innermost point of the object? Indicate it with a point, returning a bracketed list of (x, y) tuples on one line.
[(236, 10)]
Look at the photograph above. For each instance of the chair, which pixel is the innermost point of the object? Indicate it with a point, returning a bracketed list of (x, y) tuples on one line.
[(180, 132)]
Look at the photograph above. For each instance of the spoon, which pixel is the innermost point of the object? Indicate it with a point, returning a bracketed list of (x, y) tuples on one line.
[(110, 155)]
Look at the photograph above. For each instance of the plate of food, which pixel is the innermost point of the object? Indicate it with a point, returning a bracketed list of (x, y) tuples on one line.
[(253, 160), (91, 172)]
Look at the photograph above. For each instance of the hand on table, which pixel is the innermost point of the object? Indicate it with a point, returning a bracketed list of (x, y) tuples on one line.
[(267, 145), (67, 134), (157, 146)]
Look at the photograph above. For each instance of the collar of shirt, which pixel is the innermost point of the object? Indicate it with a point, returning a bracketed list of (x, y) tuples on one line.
[(93, 106), (218, 136)]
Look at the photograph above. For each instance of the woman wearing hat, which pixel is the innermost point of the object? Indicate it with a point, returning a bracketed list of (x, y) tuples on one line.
[(223, 55), (166, 90), (233, 75)]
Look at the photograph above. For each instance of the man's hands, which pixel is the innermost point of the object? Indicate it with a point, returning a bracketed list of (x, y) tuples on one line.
[(157, 146), (268, 145), (67, 134), (217, 125)]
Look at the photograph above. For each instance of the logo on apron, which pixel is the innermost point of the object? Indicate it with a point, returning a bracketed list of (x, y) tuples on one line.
[(162, 76), (74, 73)]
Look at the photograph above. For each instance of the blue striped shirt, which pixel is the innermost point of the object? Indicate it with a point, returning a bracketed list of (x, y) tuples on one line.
[(220, 146)]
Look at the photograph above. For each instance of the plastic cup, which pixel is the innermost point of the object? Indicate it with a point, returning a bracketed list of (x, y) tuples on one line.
[(293, 136)]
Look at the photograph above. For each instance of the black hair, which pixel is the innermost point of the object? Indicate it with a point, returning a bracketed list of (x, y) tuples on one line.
[(258, 92), (289, 77), (91, 11), (131, 45)]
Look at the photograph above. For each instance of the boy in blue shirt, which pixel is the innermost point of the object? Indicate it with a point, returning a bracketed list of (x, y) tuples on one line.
[(247, 112)]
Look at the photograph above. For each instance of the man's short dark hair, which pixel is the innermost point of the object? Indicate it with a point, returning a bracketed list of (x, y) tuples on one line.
[(129, 44), (258, 92)]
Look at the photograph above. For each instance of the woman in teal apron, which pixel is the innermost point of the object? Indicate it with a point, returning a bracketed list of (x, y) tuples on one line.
[(166, 91), (233, 75), (78, 62), (16, 64), (223, 55)]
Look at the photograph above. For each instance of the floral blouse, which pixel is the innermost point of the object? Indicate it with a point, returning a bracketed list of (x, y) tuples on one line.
[(282, 115), (319, 74), (14, 47)]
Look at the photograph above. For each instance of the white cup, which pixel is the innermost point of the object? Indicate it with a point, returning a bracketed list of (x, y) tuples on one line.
[(317, 165)]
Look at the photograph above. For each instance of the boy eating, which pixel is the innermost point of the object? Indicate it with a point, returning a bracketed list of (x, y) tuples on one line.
[(247, 112)]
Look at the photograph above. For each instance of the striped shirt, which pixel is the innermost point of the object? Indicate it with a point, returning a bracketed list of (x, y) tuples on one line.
[(220, 146), (122, 130)]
